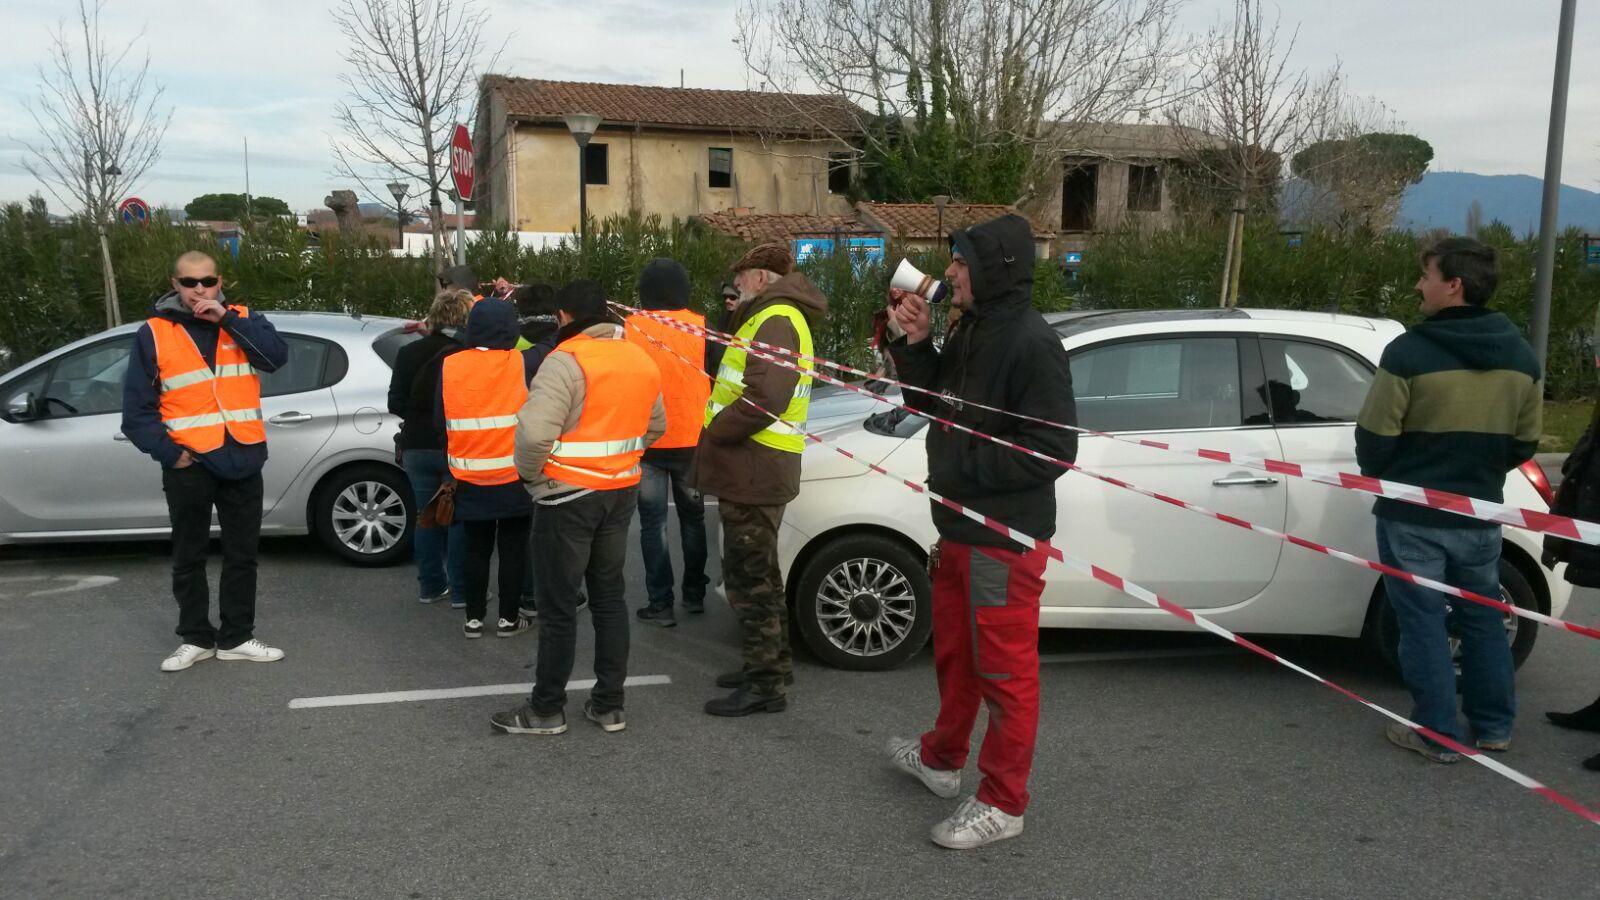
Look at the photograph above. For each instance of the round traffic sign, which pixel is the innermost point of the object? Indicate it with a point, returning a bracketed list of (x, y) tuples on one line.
[(461, 168), (134, 211)]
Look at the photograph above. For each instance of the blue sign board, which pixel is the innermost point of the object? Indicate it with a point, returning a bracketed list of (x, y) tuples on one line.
[(866, 250), (1591, 253), (805, 248), (1072, 259)]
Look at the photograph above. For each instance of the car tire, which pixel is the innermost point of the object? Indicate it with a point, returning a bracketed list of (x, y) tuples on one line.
[(864, 602), (1383, 629), (345, 500)]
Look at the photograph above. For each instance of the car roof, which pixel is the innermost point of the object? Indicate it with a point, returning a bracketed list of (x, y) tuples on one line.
[(1074, 322)]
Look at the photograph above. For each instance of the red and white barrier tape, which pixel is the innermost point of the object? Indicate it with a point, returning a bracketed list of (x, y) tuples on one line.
[(1148, 597), (1579, 530), (1235, 521)]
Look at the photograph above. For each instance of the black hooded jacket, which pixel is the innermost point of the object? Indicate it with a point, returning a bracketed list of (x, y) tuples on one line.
[(1002, 354)]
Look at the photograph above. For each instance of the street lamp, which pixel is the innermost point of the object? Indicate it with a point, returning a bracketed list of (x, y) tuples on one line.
[(113, 308), (939, 202), (399, 190), (582, 126)]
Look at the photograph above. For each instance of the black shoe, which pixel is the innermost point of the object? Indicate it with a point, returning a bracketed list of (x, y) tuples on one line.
[(506, 628), (660, 615), (736, 679), (743, 702), (694, 607), (523, 720), (1592, 763), (610, 722), (1586, 719)]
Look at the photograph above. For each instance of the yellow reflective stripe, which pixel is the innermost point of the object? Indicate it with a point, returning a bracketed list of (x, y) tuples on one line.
[(242, 415), (582, 449), (481, 465), (199, 421), (593, 474), (186, 379), (235, 370), (480, 424)]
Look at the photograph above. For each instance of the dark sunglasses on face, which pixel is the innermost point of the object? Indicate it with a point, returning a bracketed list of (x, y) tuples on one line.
[(208, 281)]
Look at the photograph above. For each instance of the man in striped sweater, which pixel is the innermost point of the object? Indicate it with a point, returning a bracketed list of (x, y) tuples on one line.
[(1456, 404)]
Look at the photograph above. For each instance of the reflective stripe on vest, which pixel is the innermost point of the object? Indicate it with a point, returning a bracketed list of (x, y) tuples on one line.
[(730, 382), (483, 389), (201, 405), (684, 390), (621, 386)]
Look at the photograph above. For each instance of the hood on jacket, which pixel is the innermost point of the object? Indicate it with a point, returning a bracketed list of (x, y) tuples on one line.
[(1000, 256), (492, 324), (1481, 339), (171, 306), (663, 284), (794, 288)]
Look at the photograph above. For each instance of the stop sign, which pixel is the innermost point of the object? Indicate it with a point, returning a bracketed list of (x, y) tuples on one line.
[(461, 161)]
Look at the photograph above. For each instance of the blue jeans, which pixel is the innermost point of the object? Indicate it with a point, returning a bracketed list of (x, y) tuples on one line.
[(653, 484), (1467, 558), (441, 553)]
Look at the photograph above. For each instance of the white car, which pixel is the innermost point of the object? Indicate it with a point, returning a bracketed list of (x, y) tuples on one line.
[(1268, 383)]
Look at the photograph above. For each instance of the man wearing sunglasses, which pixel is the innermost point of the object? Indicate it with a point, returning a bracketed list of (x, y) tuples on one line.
[(192, 400)]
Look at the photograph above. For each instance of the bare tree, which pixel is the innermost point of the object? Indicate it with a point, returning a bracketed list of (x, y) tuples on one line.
[(413, 66), (1248, 114), (98, 117), (1011, 78)]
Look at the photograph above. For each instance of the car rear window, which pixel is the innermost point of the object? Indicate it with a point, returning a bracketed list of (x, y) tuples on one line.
[(388, 345)]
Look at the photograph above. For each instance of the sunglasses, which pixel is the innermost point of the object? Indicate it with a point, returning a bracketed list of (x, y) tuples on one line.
[(208, 281)]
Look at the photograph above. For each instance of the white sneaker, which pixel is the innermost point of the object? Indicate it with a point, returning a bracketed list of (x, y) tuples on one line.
[(252, 651), (185, 656), (906, 754), (974, 824)]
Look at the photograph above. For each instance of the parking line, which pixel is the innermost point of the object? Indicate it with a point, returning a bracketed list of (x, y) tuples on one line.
[(1126, 655), (481, 690)]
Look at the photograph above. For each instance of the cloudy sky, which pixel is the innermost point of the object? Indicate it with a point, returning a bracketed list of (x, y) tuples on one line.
[(1471, 76)]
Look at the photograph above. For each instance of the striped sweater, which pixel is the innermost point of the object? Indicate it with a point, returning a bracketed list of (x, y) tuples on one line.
[(1456, 404)]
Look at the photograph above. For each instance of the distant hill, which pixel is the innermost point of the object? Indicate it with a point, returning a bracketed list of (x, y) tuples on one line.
[(1441, 200)]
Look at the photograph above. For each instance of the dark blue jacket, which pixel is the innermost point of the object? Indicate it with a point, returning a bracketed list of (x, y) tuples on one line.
[(492, 324), (141, 389)]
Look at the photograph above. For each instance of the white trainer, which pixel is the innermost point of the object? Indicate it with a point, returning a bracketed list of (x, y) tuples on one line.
[(252, 651), (906, 754), (185, 656), (974, 824)]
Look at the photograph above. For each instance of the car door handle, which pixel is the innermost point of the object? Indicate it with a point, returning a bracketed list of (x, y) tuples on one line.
[(290, 418), (119, 436), (1256, 480)]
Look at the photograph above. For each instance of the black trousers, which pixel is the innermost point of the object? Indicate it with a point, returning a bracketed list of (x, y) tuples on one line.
[(510, 537), (583, 542), (192, 492)]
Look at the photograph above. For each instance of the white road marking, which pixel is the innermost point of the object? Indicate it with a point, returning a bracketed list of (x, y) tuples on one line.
[(1126, 655), (481, 690), (69, 584)]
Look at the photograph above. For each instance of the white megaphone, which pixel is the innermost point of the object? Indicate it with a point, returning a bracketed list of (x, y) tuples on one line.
[(909, 278)]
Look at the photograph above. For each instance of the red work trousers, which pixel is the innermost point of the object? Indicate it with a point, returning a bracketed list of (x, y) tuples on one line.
[(986, 647)]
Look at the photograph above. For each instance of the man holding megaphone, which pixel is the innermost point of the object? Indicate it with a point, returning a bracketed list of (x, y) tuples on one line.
[(985, 586)]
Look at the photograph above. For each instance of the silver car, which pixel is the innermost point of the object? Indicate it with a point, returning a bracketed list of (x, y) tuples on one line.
[(68, 474)]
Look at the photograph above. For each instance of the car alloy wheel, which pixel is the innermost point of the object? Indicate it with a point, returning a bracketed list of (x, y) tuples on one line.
[(865, 607), (369, 517)]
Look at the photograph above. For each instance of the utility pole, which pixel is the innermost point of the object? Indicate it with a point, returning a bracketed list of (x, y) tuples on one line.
[(247, 179), (1539, 325)]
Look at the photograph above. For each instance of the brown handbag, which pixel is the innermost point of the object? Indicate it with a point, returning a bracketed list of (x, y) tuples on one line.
[(441, 509)]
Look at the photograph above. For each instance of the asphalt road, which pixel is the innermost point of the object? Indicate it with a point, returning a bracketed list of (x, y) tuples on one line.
[(1168, 765)]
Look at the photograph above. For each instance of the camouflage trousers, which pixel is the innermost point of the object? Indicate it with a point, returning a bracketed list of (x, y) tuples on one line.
[(755, 591)]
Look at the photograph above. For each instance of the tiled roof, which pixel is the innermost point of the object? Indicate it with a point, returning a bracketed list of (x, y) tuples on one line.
[(921, 221), (541, 100), (762, 227)]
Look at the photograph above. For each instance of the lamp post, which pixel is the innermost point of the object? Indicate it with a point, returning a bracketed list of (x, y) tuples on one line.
[(939, 203), (582, 126), (92, 197), (398, 189)]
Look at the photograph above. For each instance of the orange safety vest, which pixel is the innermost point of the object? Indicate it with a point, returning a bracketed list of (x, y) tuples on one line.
[(684, 391), (483, 389), (621, 385), (200, 404)]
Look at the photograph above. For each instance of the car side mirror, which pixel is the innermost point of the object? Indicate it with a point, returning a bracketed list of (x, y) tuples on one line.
[(23, 407)]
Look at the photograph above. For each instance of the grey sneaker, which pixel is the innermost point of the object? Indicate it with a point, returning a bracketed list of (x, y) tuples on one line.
[(523, 720), (610, 722), (974, 824), (1406, 739), (505, 628), (1494, 746), (906, 754), (434, 598)]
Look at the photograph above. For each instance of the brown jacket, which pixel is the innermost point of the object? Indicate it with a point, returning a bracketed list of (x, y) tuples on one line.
[(727, 464), (554, 404)]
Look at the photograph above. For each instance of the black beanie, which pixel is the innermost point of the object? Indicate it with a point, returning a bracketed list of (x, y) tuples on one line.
[(663, 285), (582, 299)]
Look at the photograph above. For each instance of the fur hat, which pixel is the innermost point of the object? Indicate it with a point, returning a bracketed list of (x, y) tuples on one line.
[(772, 257)]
